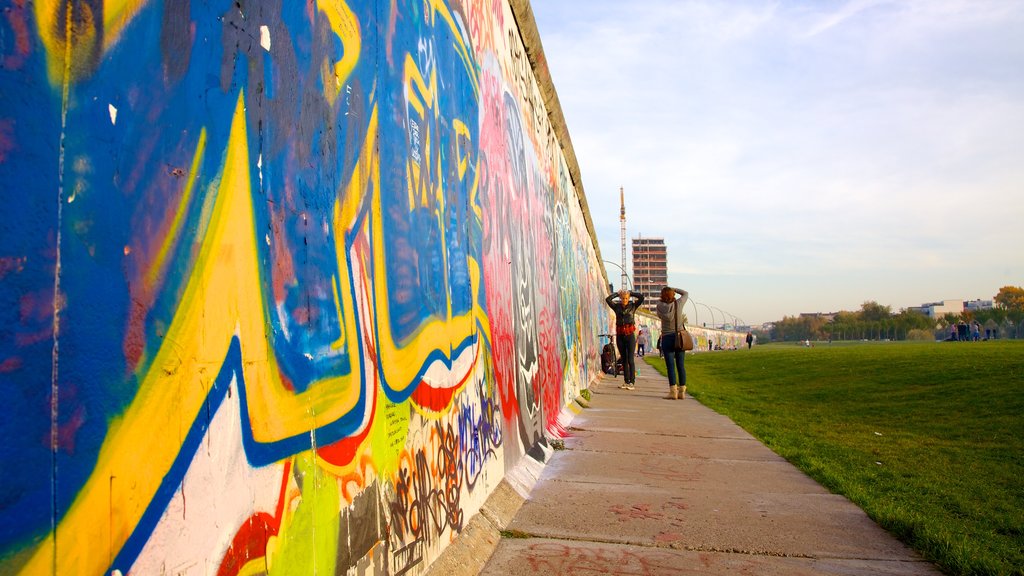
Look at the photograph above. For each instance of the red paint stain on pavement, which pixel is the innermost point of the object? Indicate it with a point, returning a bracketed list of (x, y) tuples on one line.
[(668, 537), (635, 512)]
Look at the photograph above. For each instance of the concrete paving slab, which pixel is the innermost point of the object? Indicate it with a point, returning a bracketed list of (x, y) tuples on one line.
[(811, 525), (697, 472), (688, 446), (544, 557), (653, 486)]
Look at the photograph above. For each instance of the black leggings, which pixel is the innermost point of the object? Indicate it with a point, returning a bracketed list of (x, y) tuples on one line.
[(627, 345)]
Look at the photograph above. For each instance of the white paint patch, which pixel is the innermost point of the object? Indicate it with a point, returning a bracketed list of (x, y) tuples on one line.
[(259, 165), (440, 376), (113, 114), (265, 38), (220, 492), (525, 475)]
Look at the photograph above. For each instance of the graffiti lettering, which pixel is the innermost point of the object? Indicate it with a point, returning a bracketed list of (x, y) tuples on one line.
[(321, 255)]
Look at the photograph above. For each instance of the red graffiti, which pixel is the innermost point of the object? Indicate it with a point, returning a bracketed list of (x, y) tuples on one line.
[(556, 558), (635, 512), (250, 541)]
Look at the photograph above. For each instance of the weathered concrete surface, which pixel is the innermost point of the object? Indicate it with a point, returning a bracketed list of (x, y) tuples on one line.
[(468, 553), (545, 556), (654, 486)]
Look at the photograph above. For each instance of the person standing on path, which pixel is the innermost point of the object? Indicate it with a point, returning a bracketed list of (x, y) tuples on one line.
[(750, 340), (670, 311), (625, 303)]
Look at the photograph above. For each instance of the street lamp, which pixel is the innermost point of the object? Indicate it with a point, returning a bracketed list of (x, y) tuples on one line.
[(696, 316), (624, 274), (709, 312), (724, 315)]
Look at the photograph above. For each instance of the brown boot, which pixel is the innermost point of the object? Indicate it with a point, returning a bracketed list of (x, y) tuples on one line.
[(682, 392), (673, 393)]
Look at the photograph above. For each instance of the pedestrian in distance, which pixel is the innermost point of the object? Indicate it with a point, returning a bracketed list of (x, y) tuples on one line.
[(641, 341), (670, 312), (625, 303), (750, 340)]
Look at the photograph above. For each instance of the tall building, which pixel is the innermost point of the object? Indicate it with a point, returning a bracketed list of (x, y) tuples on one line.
[(650, 268)]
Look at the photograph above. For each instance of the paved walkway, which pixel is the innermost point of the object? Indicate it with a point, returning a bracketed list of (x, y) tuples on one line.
[(663, 487)]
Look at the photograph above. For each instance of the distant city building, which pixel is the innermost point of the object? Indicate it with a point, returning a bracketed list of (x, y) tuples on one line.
[(827, 317), (975, 305), (650, 268), (939, 309)]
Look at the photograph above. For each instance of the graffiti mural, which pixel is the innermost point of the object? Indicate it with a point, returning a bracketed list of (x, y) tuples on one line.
[(285, 287)]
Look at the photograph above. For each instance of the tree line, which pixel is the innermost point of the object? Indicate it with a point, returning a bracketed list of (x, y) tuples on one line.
[(875, 321)]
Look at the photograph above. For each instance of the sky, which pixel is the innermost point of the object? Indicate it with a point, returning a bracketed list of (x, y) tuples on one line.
[(801, 156)]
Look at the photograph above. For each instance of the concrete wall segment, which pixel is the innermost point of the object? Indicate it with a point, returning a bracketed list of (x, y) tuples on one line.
[(535, 49), (285, 287)]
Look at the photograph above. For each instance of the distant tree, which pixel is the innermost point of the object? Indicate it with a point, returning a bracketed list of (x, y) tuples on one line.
[(845, 326), (948, 319), (907, 321), (792, 328), (872, 311), (919, 334), (1011, 298)]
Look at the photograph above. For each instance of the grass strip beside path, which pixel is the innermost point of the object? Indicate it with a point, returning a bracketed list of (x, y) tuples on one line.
[(927, 438)]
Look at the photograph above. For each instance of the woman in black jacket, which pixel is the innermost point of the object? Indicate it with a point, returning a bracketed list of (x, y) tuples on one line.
[(625, 303)]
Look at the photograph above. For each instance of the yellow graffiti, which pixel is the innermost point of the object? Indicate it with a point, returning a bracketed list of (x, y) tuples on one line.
[(415, 86), (308, 541), (223, 298), (346, 27), (461, 135), (401, 361), (179, 216), (70, 34)]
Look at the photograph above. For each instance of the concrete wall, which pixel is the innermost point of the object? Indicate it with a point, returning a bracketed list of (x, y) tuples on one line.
[(285, 287), (704, 339)]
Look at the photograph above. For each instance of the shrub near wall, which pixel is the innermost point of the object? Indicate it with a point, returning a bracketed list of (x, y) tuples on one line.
[(284, 286)]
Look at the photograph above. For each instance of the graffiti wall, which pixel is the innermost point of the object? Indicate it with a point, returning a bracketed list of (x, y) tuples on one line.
[(704, 339), (286, 287)]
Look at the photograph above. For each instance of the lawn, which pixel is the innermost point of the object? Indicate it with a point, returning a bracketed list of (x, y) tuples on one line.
[(927, 438)]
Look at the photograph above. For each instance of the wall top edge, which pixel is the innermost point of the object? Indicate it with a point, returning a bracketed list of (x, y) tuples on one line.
[(523, 13)]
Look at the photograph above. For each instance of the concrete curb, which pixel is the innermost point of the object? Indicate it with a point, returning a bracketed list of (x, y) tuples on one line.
[(468, 554)]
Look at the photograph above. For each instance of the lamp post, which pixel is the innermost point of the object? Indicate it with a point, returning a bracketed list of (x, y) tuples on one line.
[(709, 312), (724, 315), (624, 274), (721, 314)]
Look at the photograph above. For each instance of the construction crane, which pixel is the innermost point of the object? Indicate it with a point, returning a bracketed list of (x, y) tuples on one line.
[(622, 223)]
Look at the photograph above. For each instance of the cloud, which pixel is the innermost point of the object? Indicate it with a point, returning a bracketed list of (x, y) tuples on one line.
[(777, 140), (844, 13)]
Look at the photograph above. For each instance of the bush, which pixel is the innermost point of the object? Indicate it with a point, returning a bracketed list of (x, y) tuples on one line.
[(919, 334)]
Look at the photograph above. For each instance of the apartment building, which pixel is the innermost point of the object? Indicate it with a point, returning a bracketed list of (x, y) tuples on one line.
[(650, 268)]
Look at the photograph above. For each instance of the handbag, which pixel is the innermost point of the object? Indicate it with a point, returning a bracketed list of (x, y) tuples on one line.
[(684, 341)]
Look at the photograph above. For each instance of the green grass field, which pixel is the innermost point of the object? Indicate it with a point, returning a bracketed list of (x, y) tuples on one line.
[(927, 438)]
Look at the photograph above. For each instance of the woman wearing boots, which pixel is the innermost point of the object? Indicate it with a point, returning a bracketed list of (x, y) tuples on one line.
[(670, 311)]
